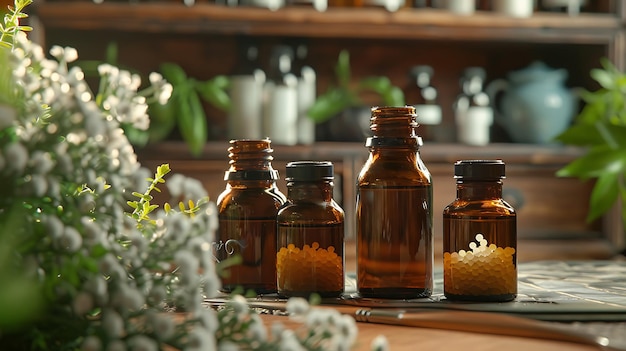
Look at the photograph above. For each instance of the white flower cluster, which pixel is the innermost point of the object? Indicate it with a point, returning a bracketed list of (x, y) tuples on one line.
[(320, 328), (67, 175), (66, 172)]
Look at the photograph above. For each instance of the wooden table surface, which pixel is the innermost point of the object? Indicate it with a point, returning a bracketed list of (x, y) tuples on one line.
[(410, 338)]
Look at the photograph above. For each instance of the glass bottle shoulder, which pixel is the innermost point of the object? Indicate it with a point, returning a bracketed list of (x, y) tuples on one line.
[(404, 169), (256, 199), (483, 207), (324, 212)]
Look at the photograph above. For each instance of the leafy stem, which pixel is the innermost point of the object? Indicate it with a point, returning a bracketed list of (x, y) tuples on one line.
[(11, 25), (601, 129), (143, 207)]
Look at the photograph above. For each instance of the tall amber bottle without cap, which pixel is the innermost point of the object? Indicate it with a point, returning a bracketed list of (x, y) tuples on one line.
[(394, 211), (479, 236), (310, 257), (247, 212)]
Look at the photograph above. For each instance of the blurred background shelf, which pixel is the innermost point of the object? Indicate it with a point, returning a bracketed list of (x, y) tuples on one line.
[(369, 23), (204, 39)]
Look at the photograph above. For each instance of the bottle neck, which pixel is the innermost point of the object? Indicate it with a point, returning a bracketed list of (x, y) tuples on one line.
[(393, 127), (478, 190), (251, 160), (310, 191)]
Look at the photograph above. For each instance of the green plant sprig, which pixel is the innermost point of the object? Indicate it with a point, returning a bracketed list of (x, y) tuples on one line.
[(601, 128), (143, 207), (11, 25)]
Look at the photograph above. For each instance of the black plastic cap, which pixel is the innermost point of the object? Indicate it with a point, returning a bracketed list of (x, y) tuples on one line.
[(479, 169), (304, 171)]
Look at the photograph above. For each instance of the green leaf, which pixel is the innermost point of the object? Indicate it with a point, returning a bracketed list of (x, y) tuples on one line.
[(221, 81), (330, 104), (174, 74), (594, 111), (604, 78), (342, 69), (394, 97), (211, 92), (603, 196), (162, 119), (163, 169), (111, 53), (598, 161), (137, 137), (192, 122), (581, 135)]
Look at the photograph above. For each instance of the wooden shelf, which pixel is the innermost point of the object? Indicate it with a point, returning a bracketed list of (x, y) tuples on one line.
[(373, 23), (526, 154)]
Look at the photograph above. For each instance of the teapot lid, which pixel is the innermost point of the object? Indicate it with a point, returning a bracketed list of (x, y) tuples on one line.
[(537, 71)]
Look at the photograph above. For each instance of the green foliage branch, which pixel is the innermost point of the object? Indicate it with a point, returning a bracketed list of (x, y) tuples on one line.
[(600, 128)]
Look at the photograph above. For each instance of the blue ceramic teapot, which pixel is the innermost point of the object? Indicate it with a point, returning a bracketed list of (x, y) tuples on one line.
[(535, 106)]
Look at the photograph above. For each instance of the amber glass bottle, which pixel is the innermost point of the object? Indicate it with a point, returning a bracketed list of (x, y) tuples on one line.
[(310, 257), (479, 236), (394, 210), (247, 212)]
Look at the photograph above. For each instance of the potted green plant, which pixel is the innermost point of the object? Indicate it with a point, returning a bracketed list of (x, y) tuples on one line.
[(601, 129), (341, 109)]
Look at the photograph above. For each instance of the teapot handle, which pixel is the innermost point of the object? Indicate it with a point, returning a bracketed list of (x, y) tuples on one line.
[(493, 89)]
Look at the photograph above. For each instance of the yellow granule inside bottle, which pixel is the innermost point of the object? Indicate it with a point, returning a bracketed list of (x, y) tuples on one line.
[(485, 270), (310, 269)]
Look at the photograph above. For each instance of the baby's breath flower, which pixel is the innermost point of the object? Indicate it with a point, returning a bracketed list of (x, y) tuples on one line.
[(162, 325), (7, 117), (297, 306), (208, 319), (91, 343), (239, 305), (128, 299), (142, 343), (227, 345), (70, 240), (39, 185), (289, 341), (18, 154), (276, 330), (112, 323), (380, 343), (257, 330), (200, 340), (83, 303), (41, 162), (116, 345)]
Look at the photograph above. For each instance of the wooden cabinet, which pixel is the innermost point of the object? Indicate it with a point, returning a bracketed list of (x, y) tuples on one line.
[(203, 39)]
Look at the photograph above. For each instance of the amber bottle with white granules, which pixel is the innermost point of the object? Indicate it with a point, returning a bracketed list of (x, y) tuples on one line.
[(310, 256), (479, 236)]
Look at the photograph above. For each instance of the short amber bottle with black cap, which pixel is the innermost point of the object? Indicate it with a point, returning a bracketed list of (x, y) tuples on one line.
[(310, 251), (479, 236), (247, 211)]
